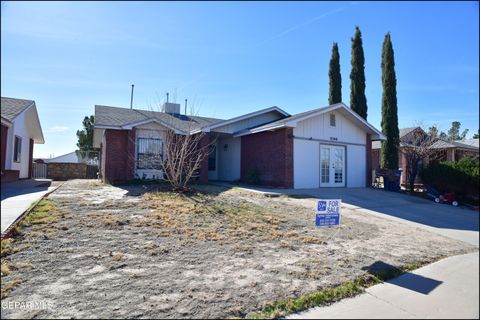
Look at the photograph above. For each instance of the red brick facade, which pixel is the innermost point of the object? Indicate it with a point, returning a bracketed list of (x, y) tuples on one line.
[(270, 154), (30, 159), (3, 146), (118, 154)]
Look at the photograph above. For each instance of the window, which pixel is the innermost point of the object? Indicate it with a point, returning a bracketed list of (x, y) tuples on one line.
[(212, 158), (332, 119), (149, 153), (17, 149)]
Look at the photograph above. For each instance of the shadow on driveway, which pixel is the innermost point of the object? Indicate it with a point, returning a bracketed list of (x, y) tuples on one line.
[(21, 187)]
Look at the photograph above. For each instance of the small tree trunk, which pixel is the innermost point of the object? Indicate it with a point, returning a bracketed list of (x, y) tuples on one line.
[(413, 174)]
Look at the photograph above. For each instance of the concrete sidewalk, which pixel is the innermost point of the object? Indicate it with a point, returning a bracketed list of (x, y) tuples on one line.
[(18, 196), (446, 289)]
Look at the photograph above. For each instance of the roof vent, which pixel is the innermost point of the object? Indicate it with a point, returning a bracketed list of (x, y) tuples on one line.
[(171, 108)]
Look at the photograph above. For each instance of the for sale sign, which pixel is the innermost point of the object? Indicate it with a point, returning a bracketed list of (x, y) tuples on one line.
[(328, 212)]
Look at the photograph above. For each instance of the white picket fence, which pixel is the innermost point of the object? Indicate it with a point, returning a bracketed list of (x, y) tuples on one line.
[(39, 171)]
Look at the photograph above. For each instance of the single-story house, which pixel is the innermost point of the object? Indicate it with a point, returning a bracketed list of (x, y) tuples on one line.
[(71, 157), (21, 129), (446, 150), (324, 147), (457, 149)]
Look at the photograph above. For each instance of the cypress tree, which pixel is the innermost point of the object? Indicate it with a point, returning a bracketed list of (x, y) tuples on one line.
[(334, 77), (358, 101), (390, 147)]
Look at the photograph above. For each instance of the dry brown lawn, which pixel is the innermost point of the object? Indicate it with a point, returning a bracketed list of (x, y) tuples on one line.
[(130, 252)]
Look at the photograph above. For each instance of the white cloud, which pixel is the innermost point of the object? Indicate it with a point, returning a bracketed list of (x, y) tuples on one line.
[(56, 129)]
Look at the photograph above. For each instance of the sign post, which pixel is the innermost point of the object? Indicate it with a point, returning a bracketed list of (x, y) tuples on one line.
[(328, 212)]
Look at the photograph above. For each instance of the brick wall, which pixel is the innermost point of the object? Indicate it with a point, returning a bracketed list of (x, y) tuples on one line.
[(66, 171), (119, 155), (30, 159), (3, 146), (270, 153)]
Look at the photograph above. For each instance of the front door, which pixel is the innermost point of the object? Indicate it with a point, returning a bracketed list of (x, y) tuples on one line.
[(332, 166)]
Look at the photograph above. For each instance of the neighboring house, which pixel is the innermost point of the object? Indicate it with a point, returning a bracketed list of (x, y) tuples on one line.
[(21, 129), (71, 157), (446, 150), (456, 150), (325, 147)]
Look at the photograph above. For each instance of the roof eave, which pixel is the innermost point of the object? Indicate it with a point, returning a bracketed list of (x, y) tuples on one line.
[(6, 122), (208, 128)]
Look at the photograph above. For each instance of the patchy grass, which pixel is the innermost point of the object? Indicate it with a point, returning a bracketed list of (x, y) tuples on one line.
[(330, 295), (95, 183), (118, 256), (6, 269), (6, 247), (9, 286), (41, 221), (43, 216), (202, 217)]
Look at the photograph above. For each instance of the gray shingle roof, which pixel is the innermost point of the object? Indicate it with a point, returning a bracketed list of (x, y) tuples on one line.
[(404, 131), (401, 133), (442, 144), (12, 107), (118, 117), (469, 142)]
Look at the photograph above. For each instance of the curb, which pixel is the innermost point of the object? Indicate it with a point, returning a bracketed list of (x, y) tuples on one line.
[(8, 232)]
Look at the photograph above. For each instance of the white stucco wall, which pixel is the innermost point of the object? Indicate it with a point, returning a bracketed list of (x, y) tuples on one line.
[(306, 165), (319, 128), (228, 163), (18, 128), (306, 158), (356, 166)]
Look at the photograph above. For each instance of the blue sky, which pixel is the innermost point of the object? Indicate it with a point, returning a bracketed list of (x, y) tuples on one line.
[(234, 58)]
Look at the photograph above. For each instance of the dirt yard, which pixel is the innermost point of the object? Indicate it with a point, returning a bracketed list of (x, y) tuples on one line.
[(134, 253)]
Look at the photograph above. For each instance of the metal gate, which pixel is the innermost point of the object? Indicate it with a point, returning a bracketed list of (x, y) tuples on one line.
[(92, 172), (39, 170)]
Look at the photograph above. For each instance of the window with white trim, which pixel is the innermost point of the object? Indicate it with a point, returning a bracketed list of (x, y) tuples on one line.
[(149, 153), (17, 149), (332, 120)]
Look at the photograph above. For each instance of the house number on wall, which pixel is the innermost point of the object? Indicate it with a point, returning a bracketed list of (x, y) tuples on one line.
[(333, 138)]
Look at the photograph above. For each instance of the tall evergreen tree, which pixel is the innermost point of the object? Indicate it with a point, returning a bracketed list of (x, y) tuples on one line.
[(334, 77), (358, 101), (390, 147)]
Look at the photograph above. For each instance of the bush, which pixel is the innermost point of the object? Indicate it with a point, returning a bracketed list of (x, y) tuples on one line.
[(460, 177)]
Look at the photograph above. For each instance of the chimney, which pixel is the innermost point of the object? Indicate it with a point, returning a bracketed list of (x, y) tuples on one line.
[(171, 108)]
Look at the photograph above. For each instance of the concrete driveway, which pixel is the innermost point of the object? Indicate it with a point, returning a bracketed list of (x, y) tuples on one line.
[(18, 196)]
